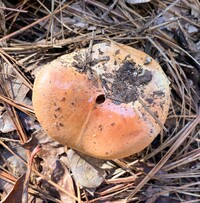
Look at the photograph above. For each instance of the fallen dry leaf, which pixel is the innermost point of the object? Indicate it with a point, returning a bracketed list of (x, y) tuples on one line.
[(56, 171), (62, 177), (17, 90), (14, 164), (6, 123), (52, 167), (5, 187), (84, 173), (17, 192)]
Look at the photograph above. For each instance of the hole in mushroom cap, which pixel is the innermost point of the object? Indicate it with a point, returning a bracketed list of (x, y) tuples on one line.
[(100, 99)]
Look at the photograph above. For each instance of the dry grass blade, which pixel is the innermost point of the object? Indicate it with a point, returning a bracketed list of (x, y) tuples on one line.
[(17, 70), (22, 107), (11, 9), (160, 14)]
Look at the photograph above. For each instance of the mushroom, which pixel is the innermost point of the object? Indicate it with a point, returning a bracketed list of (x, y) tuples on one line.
[(109, 102)]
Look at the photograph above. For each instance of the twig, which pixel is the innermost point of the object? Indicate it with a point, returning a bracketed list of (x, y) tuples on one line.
[(110, 8), (13, 9)]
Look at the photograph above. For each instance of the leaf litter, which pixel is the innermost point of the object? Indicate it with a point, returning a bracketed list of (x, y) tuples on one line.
[(32, 33)]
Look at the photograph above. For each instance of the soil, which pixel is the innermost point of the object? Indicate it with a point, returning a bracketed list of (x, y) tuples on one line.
[(127, 80)]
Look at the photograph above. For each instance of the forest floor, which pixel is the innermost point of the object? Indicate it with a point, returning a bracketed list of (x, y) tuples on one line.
[(34, 168)]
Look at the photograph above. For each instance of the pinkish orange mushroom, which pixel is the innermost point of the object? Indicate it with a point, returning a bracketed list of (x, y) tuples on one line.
[(108, 103)]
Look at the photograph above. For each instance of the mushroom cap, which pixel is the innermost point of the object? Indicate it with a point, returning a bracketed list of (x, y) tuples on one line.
[(109, 103)]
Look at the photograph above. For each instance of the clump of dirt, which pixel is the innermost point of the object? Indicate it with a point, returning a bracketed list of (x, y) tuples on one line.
[(127, 80), (79, 63), (83, 64)]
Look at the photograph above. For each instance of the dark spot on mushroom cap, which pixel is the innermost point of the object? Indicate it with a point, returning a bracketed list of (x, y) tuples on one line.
[(63, 99), (100, 52), (100, 99), (158, 93), (58, 125), (57, 109), (149, 100), (100, 127), (117, 52)]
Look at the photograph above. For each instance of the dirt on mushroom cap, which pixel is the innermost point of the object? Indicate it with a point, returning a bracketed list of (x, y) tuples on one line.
[(123, 91)]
